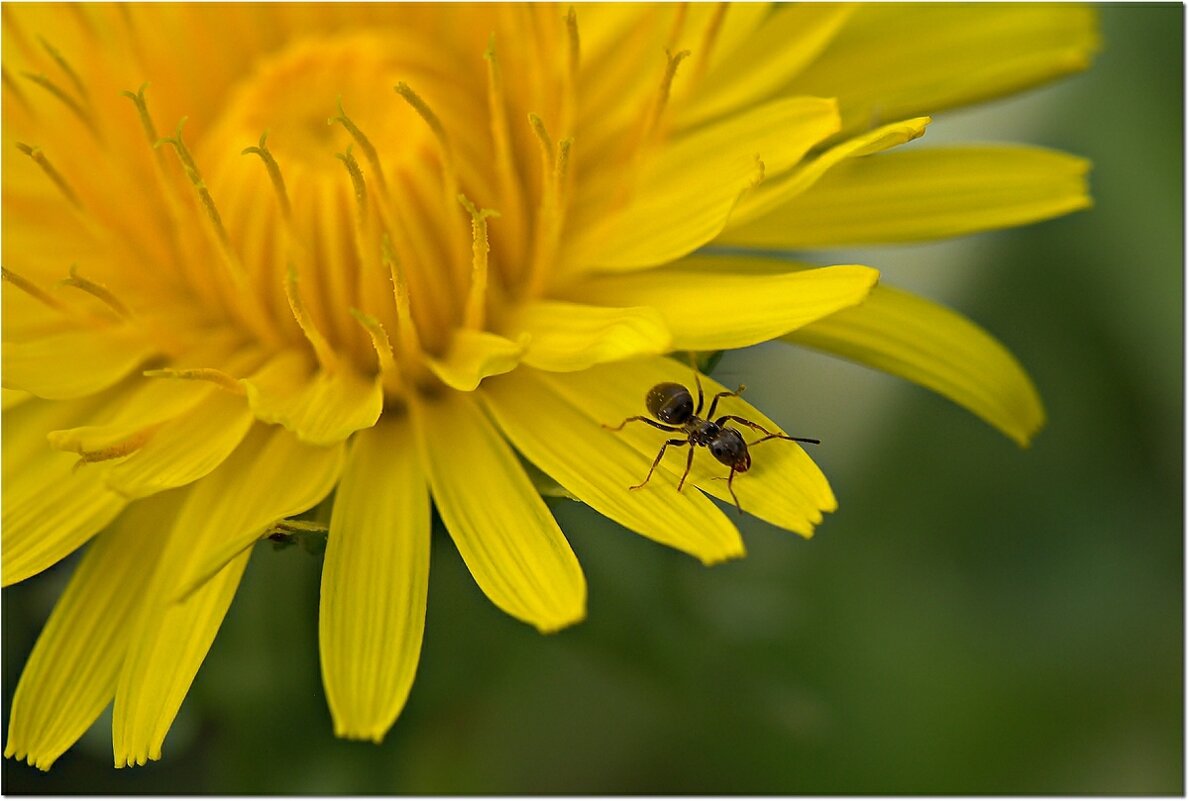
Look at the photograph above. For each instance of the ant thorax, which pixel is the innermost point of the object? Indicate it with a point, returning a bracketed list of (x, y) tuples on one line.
[(702, 432)]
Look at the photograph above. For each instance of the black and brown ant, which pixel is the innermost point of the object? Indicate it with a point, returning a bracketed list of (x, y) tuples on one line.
[(672, 404)]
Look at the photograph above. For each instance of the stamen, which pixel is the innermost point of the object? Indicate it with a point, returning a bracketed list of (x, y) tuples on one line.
[(357, 182), (407, 339), (678, 24), (574, 44), (449, 167), (327, 359), (383, 346), (120, 449), (501, 135), (476, 305), (569, 89), (208, 203), (58, 92), (39, 158), (369, 150), (274, 174), (64, 65), (555, 170), (96, 290), (652, 120), (11, 85), (142, 108), (710, 38), (30, 288), (217, 377)]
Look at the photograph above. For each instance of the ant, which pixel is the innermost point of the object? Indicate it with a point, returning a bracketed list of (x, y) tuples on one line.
[(672, 404)]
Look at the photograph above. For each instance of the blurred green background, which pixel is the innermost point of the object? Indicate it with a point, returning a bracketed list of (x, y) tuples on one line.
[(976, 618)]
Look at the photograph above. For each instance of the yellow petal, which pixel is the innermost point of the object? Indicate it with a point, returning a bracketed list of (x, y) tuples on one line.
[(169, 640), (784, 486), (912, 195), (572, 336), (937, 348), (73, 363), (896, 60), (473, 356), (71, 675), (12, 398), (718, 302), (374, 583), (509, 541), (185, 449), (321, 408), (49, 510), (685, 195), (270, 476), (774, 193), (767, 59), (597, 466)]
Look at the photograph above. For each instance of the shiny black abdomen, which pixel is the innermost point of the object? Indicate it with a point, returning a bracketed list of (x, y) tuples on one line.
[(670, 403)]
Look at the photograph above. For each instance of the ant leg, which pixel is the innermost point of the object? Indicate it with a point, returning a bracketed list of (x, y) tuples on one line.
[(697, 383), (758, 427), (689, 462), (734, 497), (714, 400), (660, 456), (785, 436), (642, 419)]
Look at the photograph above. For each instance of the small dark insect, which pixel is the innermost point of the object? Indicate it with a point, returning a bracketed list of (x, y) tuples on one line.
[(672, 404)]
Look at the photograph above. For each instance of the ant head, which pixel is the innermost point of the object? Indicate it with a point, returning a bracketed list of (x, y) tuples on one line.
[(730, 449), (670, 403)]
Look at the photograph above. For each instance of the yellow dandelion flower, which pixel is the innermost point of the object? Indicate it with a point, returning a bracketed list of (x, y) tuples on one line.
[(258, 257)]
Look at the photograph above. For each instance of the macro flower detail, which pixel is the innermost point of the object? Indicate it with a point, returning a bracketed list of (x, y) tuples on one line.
[(359, 262)]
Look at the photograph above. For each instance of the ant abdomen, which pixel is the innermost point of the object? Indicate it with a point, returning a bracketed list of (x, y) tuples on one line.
[(670, 403)]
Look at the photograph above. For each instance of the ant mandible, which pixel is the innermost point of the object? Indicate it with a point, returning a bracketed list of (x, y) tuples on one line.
[(672, 404)]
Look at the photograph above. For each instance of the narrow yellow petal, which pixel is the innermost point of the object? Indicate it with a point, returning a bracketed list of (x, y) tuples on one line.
[(49, 510), (473, 356), (73, 363), (322, 407), (597, 466), (12, 398), (169, 640), (912, 195), (374, 582), (769, 58), (774, 193), (937, 348), (270, 476), (784, 486), (71, 675), (718, 302), (685, 195), (896, 60), (186, 448), (505, 533), (573, 336)]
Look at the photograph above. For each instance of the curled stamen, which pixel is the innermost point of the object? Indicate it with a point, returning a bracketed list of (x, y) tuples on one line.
[(407, 339), (208, 202), (356, 174), (62, 96), (274, 173), (142, 109), (381, 344), (661, 98), (369, 150), (555, 170), (64, 65), (214, 376), (322, 350), (475, 313), (96, 290), (30, 288), (41, 161), (119, 450)]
